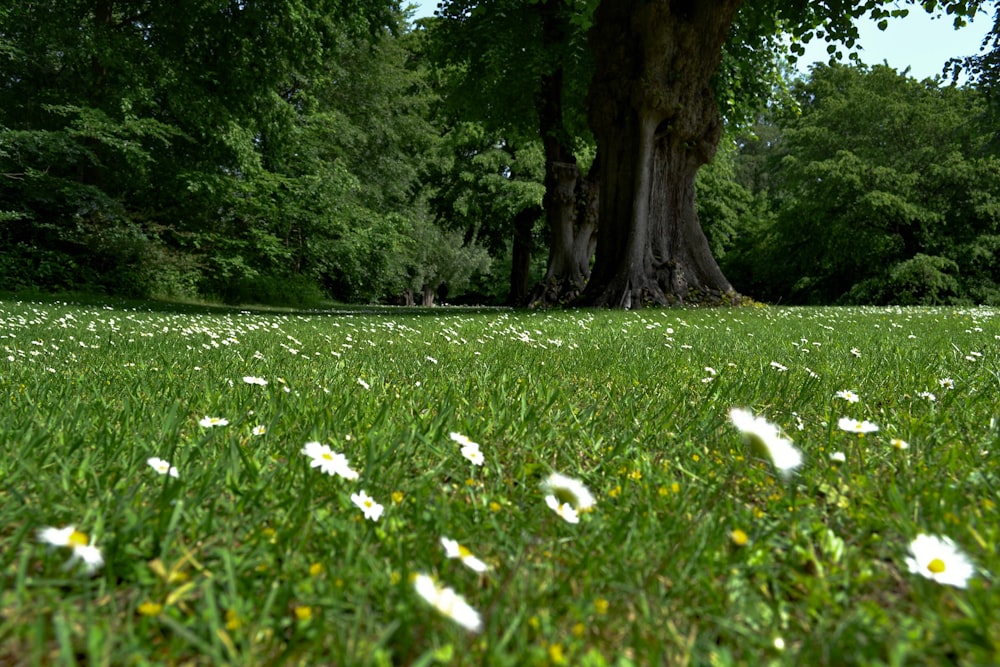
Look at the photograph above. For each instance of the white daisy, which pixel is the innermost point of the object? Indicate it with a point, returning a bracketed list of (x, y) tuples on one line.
[(568, 490), (855, 426), (367, 504), (848, 396), (463, 440), (161, 466), (939, 559), (765, 437), (448, 602), (78, 543), (473, 455), (564, 510), (328, 461), (453, 549)]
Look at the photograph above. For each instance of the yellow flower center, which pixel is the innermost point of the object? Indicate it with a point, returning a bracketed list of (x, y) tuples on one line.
[(565, 497), (150, 608), (326, 456), (77, 539), (739, 537), (936, 566), (463, 552)]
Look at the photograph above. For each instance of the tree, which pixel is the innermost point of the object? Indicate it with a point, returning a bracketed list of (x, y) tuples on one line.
[(655, 115), (899, 172), (983, 70), (520, 68), (492, 190), (350, 207), (210, 147)]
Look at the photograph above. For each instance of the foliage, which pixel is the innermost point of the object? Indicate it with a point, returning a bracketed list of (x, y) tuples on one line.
[(482, 182), (243, 152), (723, 201), (251, 556), (495, 54), (210, 149), (882, 181), (983, 68)]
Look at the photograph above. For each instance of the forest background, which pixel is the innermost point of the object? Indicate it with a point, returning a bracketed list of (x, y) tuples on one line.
[(298, 152)]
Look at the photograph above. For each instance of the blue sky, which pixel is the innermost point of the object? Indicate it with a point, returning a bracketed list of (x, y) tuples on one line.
[(917, 41)]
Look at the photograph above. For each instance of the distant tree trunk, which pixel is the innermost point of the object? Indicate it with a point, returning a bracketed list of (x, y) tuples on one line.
[(588, 197), (563, 278), (567, 271), (428, 299), (520, 264), (655, 118)]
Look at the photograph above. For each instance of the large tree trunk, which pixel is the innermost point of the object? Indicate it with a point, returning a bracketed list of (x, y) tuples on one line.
[(655, 118)]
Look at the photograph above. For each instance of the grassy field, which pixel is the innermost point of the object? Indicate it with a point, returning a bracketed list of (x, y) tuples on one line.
[(696, 551)]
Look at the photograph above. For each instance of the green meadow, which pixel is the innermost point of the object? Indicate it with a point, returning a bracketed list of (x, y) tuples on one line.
[(697, 551)]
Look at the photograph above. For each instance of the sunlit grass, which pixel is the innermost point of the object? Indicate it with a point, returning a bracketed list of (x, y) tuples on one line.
[(260, 549)]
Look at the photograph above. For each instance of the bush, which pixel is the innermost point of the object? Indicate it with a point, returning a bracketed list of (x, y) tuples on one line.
[(295, 290), (922, 280)]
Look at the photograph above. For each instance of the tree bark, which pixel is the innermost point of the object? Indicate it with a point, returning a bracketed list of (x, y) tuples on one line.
[(520, 264), (567, 270), (655, 118)]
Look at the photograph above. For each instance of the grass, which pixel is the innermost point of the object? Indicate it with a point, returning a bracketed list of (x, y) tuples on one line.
[(250, 556)]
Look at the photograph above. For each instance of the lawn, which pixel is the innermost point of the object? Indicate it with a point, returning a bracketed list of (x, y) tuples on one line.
[(246, 487)]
